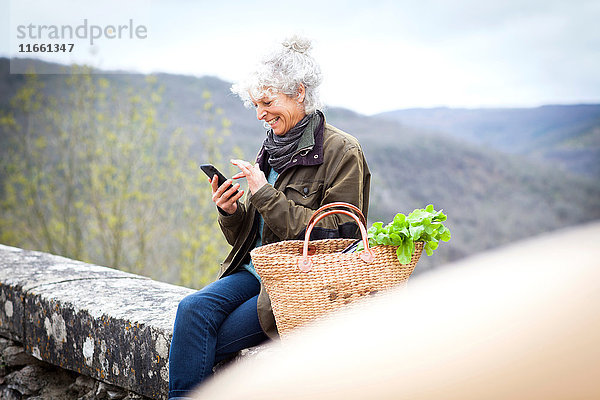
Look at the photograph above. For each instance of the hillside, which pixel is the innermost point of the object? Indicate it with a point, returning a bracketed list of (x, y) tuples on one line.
[(490, 197), (567, 135)]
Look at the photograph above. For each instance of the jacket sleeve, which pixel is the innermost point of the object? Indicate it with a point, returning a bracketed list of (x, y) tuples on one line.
[(231, 224), (289, 220)]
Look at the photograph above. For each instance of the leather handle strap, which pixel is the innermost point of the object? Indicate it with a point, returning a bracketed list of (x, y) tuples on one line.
[(352, 207)]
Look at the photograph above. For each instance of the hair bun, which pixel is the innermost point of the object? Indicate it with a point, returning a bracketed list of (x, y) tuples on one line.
[(297, 44)]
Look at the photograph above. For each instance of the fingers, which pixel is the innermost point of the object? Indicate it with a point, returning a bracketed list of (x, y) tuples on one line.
[(244, 166), (253, 174), (214, 183), (226, 195), (231, 189), (246, 169), (223, 189), (229, 199), (241, 163), (226, 190)]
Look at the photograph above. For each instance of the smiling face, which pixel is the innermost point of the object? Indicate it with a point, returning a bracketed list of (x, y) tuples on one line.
[(279, 110)]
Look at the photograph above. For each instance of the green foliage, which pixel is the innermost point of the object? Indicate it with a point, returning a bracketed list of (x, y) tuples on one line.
[(421, 225), (88, 177)]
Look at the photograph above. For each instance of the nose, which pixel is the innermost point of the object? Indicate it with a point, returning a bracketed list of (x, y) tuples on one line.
[(260, 112)]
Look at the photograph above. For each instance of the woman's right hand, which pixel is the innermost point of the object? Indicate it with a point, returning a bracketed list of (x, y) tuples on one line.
[(225, 196)]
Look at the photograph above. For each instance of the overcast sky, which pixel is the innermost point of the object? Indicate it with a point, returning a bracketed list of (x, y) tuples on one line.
[(376, 55)]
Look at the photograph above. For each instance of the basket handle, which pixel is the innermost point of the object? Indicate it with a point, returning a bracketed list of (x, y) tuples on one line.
[(338, 204), (305, 262)]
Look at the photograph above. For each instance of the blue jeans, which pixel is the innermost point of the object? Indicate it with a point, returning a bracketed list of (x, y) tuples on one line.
[(210, 326)]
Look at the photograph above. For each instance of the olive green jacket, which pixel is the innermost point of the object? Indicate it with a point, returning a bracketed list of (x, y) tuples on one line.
[(333, 169)]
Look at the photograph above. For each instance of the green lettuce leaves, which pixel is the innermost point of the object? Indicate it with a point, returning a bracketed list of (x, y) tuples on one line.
[(421, 225)]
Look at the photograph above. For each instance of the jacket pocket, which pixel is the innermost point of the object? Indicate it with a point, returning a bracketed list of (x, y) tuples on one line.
[(306, 194)]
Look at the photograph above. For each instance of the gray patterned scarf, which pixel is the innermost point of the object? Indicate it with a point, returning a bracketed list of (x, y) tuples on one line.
[(281, 149)]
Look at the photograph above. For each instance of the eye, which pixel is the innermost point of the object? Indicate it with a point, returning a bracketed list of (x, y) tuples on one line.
[(267, 103)]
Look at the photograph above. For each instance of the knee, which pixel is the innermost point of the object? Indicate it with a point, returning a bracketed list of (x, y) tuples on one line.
[(194, 309), (186, 304), (191, 304)]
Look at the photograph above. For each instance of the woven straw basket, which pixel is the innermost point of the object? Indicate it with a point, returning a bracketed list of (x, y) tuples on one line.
[(307, 280)]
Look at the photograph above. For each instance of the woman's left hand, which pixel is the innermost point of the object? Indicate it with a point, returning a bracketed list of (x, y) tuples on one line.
[(255, 177)]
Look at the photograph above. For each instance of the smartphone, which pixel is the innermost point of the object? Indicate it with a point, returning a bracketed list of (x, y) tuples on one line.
[(210, 170), (352, 247)]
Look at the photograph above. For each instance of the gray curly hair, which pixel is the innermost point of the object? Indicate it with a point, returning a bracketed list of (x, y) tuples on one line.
[(283, 71)]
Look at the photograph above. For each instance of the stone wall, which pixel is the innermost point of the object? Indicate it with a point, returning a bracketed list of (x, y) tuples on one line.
[(23, 376), (108, 331)]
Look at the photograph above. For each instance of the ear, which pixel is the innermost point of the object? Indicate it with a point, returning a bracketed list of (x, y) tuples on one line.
[(301, 93)]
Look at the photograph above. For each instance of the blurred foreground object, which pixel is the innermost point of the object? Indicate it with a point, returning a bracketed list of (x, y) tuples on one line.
[(519, 322)]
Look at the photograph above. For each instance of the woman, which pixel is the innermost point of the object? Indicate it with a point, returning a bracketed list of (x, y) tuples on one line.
[(303, 164)]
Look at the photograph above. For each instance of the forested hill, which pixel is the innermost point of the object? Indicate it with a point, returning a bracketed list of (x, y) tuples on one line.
[(566, 135), (491, 197)]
